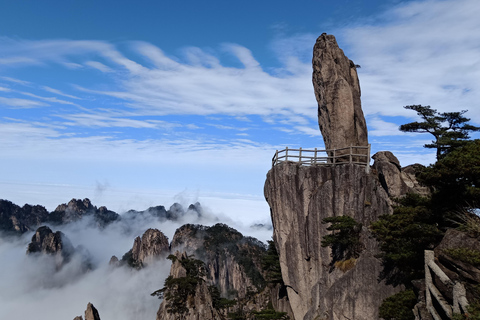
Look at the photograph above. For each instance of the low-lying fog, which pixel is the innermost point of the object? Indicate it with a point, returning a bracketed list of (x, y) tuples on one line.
[(31, 288)]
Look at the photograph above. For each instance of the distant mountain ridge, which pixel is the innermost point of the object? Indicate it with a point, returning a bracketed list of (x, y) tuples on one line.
[(18, 220)]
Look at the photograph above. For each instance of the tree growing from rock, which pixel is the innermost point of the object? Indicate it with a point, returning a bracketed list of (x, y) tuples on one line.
[(449, 129)]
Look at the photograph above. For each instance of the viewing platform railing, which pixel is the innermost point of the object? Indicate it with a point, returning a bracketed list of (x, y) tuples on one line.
[(354, 155), (436, 303)]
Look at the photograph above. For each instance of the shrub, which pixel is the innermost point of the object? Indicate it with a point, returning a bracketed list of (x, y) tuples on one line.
[(345, 238), (399, 306), (466, 255)]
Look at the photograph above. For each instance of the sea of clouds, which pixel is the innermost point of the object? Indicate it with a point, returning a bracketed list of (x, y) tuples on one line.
[(31, 287)]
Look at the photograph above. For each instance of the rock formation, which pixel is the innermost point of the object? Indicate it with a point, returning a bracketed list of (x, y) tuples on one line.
[(20, 219), (232, 264), (320, 284), (151, 246), (91, 313), (76, 209), (396, 180), (199, 304), (337, 90), (53, 243), (300, 198), (57, 245)]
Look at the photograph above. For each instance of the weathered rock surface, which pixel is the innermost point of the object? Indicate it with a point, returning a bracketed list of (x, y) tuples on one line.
[(456, 269), (91, 313), (151, 246), (57, 245), (232, 264), (199, 305), (300, 198), (20, 219), (395, 180), (223, 249), (48, 242), (76, 209), (337, 90)]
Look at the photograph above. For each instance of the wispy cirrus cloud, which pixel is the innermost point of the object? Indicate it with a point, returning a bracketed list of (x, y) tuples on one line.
[(419, 52), (21, 103)]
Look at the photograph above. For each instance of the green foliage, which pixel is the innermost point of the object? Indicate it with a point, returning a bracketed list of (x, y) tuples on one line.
[(132, 263), (220, 239), (217, 301), (270, 314), (450, 129), (466, 255), (176, 291), (469, 222), (271, 264), (345, 238), (399, 306), (455, 179), (403, 237)]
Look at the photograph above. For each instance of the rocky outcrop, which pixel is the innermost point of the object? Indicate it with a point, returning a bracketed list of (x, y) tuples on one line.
[(76, 209), (232, 264), (199, 303), (91, 313), (17, 219), (452, 257), (46, 241), (56, 244), (395, 180), (175, 212), (300, 198), (151, 246), (232, 261), (337, 90)]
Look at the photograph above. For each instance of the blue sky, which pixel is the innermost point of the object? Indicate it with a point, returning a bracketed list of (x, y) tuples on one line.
[(142, 103)]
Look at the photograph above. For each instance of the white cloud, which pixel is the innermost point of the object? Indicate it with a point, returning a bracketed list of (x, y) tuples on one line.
[(48, 99), (99, 66), (423, 52), (56, 91), (21, 103)]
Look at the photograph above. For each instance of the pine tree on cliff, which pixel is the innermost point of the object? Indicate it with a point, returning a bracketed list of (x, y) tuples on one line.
[(450, 129)]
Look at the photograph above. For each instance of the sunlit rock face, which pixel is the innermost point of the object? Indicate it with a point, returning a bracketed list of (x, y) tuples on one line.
[(152, 245), (233, 264), (48, 242), (337, 90), (300, 198), (54, 244)]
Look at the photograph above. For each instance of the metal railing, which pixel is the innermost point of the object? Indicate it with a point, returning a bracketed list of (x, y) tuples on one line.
[(353, 155)]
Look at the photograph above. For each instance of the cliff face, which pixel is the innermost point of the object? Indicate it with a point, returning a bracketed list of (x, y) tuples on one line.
[(199, 304), (232, 261), (232, 264), (46, 241), (76, 209), (300, 198), (151, 246), (20, 219)]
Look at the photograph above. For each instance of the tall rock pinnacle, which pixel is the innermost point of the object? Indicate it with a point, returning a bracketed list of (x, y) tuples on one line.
[(337, 90)]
